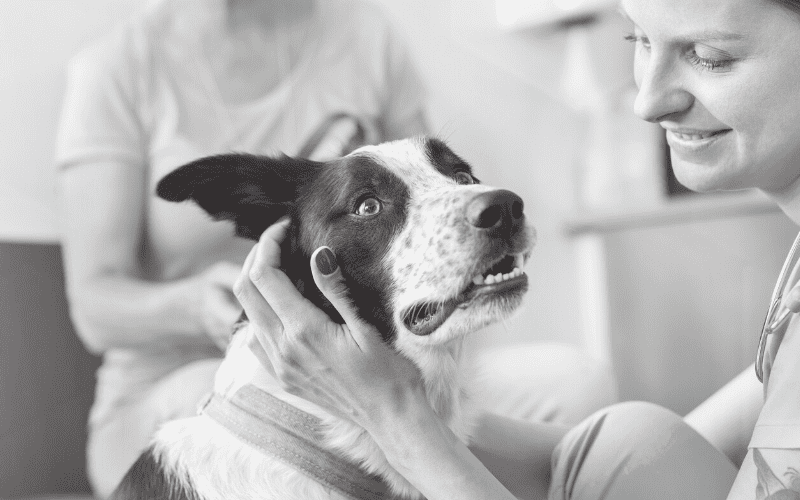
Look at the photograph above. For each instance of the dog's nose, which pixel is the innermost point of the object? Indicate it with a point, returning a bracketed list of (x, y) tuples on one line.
[(500, 212)]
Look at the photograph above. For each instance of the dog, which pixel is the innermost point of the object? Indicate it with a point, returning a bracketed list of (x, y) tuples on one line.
[(428, 253)]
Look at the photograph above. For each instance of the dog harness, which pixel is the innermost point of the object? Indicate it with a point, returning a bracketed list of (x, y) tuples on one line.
[(294, 437)]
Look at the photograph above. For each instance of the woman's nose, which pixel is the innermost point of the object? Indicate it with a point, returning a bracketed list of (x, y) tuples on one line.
[(661, 93)]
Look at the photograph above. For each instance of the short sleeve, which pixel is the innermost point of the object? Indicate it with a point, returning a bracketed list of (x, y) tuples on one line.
[(406, 92), (778, 425), (100, 113)]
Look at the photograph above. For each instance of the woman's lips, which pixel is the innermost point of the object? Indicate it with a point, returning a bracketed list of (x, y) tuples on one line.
[(693, 140), (695, 135)]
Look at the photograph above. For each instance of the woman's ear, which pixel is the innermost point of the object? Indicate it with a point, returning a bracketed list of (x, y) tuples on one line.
[(252, 191)]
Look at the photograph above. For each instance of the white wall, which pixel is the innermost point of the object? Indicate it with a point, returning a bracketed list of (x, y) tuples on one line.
[(37, 37)]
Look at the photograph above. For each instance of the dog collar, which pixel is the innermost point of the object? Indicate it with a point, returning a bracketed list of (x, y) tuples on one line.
[(292, 436)]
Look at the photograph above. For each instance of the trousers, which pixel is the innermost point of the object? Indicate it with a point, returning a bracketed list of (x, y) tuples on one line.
[(638, 450)]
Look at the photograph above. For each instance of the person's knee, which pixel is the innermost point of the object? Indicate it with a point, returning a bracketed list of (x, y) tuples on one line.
[(636, 447), (622, 425)]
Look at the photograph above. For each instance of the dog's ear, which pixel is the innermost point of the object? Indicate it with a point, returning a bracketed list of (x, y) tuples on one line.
[(253, 191)]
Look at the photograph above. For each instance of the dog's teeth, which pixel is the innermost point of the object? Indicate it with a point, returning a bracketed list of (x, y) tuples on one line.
[(519, 261), (478, 280), (506, 276), (498, 277), (489, 280)]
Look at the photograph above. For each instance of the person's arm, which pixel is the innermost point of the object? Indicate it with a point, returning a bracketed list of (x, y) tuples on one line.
[(102, 182), (112, 306), (517, 452), (727, 418), (348, 370), (421, 448)]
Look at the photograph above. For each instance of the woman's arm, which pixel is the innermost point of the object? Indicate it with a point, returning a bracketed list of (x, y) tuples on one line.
[(424, 450), (102, 185), (351, 372), (727, 418), (517, 452), (102, 210)]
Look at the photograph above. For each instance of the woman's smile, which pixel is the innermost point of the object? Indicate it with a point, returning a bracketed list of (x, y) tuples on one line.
[(722, 82), (690, 144)]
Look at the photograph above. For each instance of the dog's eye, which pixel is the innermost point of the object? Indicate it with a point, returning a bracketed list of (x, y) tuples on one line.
[(464, 178), (368, 207)]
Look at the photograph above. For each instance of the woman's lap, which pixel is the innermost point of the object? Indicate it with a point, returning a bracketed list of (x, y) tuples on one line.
[(638, 450), (115, 445)]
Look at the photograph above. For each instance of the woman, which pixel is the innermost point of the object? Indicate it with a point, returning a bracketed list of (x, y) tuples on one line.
[(150, 282), (723, 78)]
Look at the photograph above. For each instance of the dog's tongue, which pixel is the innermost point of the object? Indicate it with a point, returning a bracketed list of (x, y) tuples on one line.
[(424, 319)]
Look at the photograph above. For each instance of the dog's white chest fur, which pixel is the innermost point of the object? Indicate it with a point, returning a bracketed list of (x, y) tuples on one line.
[(215, 464), (431, 255)]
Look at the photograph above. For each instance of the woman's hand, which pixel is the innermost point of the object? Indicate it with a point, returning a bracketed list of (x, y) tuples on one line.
[(346, 369), (218, 308)]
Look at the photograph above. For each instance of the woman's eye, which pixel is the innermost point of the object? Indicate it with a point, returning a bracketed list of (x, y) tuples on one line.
[(369, 207), (464, 178), (719, 65)]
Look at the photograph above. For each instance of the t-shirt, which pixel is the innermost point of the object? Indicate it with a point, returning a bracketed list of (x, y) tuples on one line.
[(778, 424), (145, 96)]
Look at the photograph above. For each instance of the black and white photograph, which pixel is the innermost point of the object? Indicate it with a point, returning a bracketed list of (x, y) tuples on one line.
[(399, 249)]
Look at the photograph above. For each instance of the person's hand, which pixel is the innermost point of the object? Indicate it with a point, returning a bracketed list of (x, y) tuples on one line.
[(346, 369), (218, 307)]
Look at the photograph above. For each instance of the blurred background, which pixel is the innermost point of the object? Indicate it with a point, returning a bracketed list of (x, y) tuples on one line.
[(669, 287)]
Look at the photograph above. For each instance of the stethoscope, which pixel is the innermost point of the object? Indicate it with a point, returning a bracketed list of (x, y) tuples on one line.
[(777, 316)]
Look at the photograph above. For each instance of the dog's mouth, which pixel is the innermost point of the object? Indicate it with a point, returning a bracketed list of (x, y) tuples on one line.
[(504, 276)]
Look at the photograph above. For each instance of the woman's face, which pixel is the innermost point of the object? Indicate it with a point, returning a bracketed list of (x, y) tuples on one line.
[(723, 78)]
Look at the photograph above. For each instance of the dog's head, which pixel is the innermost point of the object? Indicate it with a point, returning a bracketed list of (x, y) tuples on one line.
[(427, 253)]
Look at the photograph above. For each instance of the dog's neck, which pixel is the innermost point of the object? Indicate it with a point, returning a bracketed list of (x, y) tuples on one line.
[(440, 368)]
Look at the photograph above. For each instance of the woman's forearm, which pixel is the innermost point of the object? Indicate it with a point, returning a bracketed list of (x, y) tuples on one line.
[(727, 418), (118, 311), (517, 452), (428, 454)]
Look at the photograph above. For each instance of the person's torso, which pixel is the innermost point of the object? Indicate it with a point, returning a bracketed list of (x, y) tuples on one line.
[(186, 118)]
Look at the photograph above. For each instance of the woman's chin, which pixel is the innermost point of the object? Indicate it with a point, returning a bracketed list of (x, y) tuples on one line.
[(704, 178)]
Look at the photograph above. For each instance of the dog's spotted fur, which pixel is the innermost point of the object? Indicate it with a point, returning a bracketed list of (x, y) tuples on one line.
[(409, 269)]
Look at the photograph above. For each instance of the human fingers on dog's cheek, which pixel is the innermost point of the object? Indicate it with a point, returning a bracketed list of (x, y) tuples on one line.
[(244, 274), (269, 244), (291, 307), (328, 278), (248, 261), (258, 310)]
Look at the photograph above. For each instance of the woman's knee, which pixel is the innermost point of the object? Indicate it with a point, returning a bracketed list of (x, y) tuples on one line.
[(638, 450)]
